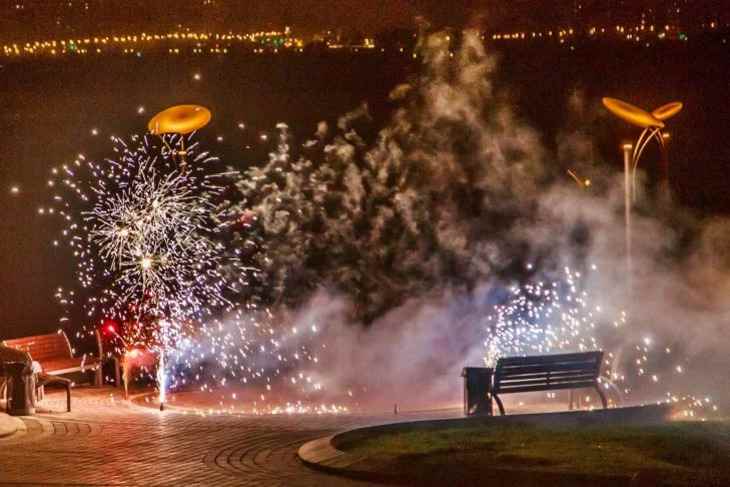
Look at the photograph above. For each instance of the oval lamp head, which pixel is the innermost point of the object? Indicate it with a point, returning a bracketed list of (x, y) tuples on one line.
[(631, 114), (180, 119), (667, 111)]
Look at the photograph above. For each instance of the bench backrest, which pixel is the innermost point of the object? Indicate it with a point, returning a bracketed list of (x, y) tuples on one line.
[(547, 372), (43, 347)]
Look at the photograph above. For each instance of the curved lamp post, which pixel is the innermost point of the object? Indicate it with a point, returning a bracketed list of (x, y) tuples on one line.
[(652, 123), (181, 120)]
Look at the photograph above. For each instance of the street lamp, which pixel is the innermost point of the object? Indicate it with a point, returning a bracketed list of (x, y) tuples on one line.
[(652, 123), (181, 120)]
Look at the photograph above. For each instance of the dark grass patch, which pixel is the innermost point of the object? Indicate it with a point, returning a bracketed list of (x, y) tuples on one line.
[(681, 453)]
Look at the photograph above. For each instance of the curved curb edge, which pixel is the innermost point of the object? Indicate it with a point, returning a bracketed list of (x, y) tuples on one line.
[(320, 452), (9, 425), (321, 455)]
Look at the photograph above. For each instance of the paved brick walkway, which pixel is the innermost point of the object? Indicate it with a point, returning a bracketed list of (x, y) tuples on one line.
[(109, 442)]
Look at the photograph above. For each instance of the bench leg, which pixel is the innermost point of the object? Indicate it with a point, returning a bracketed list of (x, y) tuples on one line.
[(117, 373), (499, 404), (68, 397), (602, 395), (98, 377)]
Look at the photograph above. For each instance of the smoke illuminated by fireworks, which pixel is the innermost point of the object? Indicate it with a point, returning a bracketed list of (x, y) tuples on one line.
[(159, 255), (148, 234), (157, 276)]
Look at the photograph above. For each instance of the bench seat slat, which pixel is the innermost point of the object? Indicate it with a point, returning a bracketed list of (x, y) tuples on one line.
[(70, 370), (545, 377), (527, 368), (537, 375), (56, 365), (540, 359), (549, 387), (546, 380), (562, 384)]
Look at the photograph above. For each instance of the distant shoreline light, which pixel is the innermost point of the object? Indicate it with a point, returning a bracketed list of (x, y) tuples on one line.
[(132, 44), (276, 41)]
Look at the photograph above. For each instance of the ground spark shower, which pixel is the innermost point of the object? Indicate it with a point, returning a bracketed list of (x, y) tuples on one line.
[(147, 234)]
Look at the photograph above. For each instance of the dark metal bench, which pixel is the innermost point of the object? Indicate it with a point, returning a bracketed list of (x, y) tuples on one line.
[(547, 373)]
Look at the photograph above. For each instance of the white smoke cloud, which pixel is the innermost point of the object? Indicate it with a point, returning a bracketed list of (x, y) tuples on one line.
[(412, 354), (675, 296)]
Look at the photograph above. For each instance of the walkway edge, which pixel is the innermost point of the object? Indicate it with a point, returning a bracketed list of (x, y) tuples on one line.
[(319, 452), (9, 425)]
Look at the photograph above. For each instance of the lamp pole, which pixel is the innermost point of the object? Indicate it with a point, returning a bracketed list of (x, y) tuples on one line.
[(628, 190)]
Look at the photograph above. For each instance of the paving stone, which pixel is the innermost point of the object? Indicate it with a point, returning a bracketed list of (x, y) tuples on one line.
[(105, 441)]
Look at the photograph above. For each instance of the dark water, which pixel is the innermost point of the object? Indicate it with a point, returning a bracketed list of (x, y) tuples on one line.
[(48, 108)]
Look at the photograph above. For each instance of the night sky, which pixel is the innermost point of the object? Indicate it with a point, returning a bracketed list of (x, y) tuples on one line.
[(39, 19), (50, 106)]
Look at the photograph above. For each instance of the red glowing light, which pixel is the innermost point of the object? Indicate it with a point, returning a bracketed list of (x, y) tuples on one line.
[(110, 327)]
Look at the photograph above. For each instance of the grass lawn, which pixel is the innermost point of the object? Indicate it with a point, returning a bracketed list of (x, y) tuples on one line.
[(678, 453)]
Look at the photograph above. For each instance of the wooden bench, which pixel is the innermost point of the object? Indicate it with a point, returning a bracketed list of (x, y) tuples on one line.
[(54, 353), (547, 373)]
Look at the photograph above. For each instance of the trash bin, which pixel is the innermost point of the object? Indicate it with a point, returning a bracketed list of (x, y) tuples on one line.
[(477, 391), (20, 381), (21, 389)]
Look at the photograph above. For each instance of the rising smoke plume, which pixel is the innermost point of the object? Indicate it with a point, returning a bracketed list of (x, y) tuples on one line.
[(416, 232)]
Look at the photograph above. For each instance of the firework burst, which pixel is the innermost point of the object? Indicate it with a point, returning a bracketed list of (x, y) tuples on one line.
[(156, 229), (149, 231), (544, 317), (560, 315), (148, 236)]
